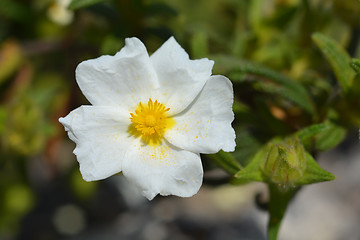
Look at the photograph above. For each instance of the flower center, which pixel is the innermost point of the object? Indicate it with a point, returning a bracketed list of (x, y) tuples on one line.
[(150, 121)]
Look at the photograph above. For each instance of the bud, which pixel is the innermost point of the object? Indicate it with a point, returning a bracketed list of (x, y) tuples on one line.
[(285, 163)]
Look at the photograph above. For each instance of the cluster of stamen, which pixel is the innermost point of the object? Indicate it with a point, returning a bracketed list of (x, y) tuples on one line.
[(150, 121)]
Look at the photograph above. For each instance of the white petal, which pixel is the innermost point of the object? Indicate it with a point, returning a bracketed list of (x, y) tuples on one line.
[(101, 138), (124, 79), (180, 78), (205, 126), (163, 170)]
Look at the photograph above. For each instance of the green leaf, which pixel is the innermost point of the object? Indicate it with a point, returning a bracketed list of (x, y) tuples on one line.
[(338, 59), (279, 200), (157, 9), (14, 10), (239, 107), (259, 70), (330, 137), (306, 134), (286, 93), (266, 79), (355, 90), (11, 58), (256, 14), (3, 117), (226, 161), (355, 64), (314, 173), (252, 172), (321, 137), (199, 45), (77, 4)]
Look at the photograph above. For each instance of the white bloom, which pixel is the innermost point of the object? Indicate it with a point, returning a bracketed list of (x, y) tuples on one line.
[(59, 13), (150, 118)]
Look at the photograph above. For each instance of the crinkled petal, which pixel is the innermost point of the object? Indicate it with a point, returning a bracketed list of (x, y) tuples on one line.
[(164, 170), (180, 79), (121, 80), (101, 138), (205, 126)]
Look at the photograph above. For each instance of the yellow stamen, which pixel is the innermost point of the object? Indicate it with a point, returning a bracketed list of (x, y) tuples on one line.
[(150, 121)]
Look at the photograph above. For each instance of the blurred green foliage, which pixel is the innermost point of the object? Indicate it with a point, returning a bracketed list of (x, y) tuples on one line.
[(289, 60)]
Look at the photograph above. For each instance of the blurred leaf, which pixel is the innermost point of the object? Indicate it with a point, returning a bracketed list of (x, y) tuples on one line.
[(239, 107), (321, 137), (330, 138), (25, 138), (111, 45), (283, 15), (291, 89), (306, 134), (256, 14), (279, 85), (14, 10), (226, 161), (18, 199), (82, 189), (338, 59), (161, 9), (355, 64), (10, 59), (3, 117), (264, 118), (199, 45), (355, 90), (49, 92), (77, 4), (285, 93), (348, 11)]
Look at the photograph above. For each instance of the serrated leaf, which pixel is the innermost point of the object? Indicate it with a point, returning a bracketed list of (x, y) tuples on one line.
[(226, 161), (77, 4), (338, 59)]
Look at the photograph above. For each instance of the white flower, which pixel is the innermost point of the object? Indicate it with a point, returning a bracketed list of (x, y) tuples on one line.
[(59, 13), (150, 118)]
